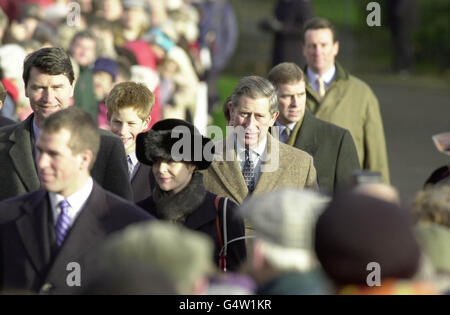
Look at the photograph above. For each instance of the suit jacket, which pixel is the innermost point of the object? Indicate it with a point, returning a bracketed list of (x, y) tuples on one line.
[(143, 182), (18, 169), (287, 167), (6, 121), (332, 149), (203, 220), (29, 260)]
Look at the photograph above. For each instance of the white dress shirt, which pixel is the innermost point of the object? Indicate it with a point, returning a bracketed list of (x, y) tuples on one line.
[(76, 201), (327, 78)]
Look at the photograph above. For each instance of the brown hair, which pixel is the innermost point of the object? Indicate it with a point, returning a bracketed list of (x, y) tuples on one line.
[(50, 60), (130, 94), (285, 73), (84, 134), (316, 24)]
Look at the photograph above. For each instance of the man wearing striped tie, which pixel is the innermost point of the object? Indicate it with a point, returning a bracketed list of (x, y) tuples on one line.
[(44, 232)]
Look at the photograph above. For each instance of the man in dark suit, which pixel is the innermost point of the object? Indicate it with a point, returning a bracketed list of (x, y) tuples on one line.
[(3, 120), (49, 237), (332, 147), (49, 83)]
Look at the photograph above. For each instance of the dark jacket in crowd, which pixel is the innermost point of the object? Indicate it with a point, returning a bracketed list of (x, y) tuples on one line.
[(18, 169), (203, 217), (30, 260)]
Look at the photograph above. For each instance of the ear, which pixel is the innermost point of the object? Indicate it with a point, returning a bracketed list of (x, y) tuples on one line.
[(274, 117), (336, 48), (146, 123), (86, 159), (231, 110)]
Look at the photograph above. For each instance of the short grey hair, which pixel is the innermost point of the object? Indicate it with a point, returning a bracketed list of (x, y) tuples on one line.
[(255, 87)]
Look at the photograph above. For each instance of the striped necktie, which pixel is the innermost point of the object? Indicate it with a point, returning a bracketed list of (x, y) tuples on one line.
[(63, 222)]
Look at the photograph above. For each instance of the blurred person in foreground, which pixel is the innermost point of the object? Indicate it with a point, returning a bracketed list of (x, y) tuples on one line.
[(367, 246), (431, 207), (282, 258), (182, 256)]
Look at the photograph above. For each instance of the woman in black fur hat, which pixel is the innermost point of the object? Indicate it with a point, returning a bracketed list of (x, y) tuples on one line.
[(176, 151)]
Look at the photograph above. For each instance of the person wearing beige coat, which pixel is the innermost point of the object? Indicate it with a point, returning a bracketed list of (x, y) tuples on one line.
[(295, 169), (253, 110)]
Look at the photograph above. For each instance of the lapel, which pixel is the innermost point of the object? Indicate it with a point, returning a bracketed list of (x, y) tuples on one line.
[(143, 182), (229, 171), (306, 138), (87, 231), (317, 105), (22, 155), (34, 230), (273, 167)]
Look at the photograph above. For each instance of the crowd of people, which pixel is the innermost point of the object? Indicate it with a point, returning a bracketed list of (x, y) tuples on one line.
[(295, 200)]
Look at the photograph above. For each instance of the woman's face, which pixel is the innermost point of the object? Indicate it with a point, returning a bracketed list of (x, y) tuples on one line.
[(171, 175)]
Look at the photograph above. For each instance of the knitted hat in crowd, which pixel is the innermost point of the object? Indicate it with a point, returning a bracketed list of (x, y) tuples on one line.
[(174, 140), (355, 230), (107, 65)]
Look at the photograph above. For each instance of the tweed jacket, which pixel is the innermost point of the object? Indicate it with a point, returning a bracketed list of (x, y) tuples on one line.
[(18, 170), (285, 167), (332, 148), (351, 104)]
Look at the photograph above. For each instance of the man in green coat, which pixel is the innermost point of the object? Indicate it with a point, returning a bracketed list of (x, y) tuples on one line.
[(332, 147), (332, 94)]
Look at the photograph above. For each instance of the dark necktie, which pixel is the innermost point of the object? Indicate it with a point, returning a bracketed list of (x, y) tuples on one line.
[(249, 172), (286, 134), (63, 222)]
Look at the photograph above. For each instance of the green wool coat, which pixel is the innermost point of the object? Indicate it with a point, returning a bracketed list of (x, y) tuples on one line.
[(351, 104)]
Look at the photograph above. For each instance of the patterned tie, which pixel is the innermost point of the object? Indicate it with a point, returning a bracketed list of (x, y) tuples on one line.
[(63, 222), (286, 134), (321, 87), (249, 172)]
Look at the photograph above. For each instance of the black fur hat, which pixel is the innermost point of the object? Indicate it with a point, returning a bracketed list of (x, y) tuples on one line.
[(174, 140)]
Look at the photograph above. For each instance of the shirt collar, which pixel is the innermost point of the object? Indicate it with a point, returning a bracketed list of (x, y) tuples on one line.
[(327, 77), (76, 200), (259, 150), (133, 158)]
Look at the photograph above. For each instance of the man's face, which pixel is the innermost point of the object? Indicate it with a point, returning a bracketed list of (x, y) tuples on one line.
[(319, 49), (254, 116), (127, 125), (83, 51), (47, 93), (291, 102), (59, 169)]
